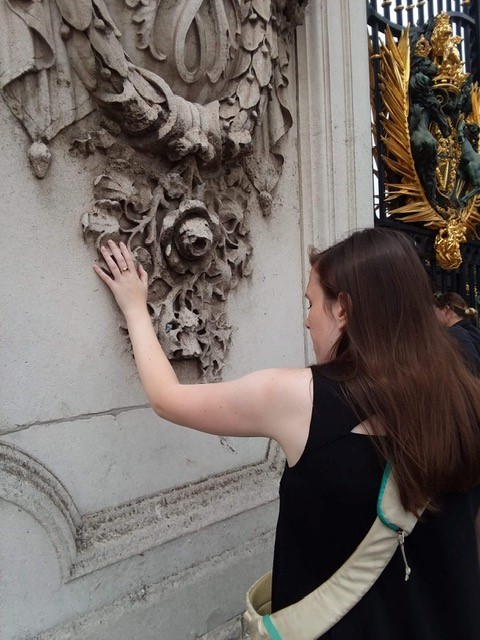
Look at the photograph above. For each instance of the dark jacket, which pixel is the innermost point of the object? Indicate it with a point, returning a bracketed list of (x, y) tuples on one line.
[(468, 338)]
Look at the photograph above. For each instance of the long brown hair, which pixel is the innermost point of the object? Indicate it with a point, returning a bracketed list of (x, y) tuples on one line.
[(398, 365)]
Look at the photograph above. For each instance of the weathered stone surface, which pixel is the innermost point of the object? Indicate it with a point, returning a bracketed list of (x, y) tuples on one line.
[(139, 598), (241, 57), (113, 524), (74, 374)]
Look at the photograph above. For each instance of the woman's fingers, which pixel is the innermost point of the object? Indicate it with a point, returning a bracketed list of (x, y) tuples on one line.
[(118, 255), (103, 276), (127, 256), (111, 264), (143, 275), (128, 285), (119, 260)]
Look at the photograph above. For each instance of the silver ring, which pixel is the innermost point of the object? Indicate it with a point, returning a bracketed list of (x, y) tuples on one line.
[(124, 268)]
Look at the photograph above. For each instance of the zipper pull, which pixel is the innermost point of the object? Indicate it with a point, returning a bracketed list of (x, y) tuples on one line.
[(401, 544)]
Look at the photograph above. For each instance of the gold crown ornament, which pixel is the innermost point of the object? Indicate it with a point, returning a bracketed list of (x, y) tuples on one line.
[(446, 56)]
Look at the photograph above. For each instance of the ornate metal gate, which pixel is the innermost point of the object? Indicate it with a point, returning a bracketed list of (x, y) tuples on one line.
[(465, 20)]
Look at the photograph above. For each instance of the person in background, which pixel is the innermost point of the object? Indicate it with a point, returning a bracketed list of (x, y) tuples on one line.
[(452, 312)]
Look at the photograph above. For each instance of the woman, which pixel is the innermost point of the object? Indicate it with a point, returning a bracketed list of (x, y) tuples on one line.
[(452, 312), (388, 385)]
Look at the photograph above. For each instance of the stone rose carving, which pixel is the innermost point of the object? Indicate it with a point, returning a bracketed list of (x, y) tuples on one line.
[(189, 236), (176, 120)]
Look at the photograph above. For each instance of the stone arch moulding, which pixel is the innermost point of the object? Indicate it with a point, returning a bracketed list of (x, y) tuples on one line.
[(26, 483), (86, 543), (177, 120)]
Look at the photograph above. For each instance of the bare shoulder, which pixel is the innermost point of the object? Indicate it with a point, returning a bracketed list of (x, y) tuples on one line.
[(280, 396), (290, 409), (287, 385)]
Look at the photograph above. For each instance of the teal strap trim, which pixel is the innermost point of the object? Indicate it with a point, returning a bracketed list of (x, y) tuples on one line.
[(380, 512), (270, 627)]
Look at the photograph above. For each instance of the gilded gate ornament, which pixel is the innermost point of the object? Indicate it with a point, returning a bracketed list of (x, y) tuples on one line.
[(190, 122), (430, 122)]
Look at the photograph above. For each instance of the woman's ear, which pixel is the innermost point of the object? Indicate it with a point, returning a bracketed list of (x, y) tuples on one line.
[(341, 309)]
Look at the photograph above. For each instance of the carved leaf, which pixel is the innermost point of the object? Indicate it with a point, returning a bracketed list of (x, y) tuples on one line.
[(145, 89), (241, 64), (78, 13), (238, 256), (188, 342), (174, 185), (109, 48), (239, 121), (263, 8), (248, 93), (263, 173), (103, 11), (187, 318), (272, 39), (215, 348), (82, 59), (235, 28), (229, 110), (142, 198), (252, 35), (103, 220), (262, 65), (145, 16), (114, 187), (244, 9)]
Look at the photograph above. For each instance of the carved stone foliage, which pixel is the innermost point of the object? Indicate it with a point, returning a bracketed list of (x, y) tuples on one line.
[(184, 168), (190, 234)]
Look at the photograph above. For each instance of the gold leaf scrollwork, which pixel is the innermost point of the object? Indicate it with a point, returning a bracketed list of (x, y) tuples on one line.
[(430, 122)]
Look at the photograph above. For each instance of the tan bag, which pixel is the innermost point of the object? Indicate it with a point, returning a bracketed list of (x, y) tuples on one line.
[(317, 612)]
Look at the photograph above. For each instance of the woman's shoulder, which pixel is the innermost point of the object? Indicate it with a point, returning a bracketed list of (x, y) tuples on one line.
[(285, 377), (287, 387)]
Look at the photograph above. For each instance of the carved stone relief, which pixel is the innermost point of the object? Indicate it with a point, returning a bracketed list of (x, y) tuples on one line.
[(84, 544), (28, 484), (185, 161)]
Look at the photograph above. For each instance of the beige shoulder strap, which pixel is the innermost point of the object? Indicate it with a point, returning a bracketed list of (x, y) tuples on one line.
[(315, 614)]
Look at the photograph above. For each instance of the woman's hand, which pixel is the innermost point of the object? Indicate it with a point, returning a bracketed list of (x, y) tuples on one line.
[(128, 285)]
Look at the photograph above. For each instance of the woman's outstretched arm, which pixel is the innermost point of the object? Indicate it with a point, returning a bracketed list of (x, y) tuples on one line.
[(268, 403)]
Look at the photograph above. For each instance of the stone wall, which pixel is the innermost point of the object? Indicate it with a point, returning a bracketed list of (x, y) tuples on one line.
[(113, 523)]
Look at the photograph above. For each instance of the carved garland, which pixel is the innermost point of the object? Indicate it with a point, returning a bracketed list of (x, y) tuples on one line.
[(181, 176)]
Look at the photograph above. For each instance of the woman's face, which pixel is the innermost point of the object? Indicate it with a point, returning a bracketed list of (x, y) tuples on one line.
[(325, 320)]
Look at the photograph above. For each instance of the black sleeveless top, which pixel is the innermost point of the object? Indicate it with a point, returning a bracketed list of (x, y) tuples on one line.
[(328, 504)]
